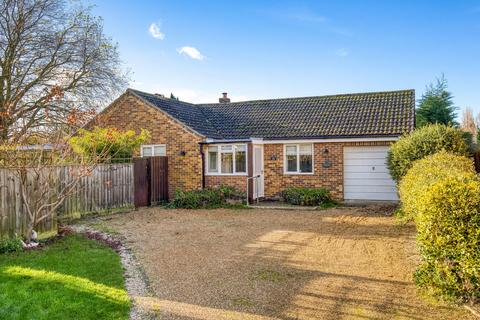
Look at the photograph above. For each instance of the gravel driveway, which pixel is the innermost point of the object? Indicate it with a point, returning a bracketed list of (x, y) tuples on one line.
[(345, 263)]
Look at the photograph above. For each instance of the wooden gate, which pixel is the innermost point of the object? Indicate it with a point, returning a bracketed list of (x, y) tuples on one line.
[(150, 181), (158, 179)]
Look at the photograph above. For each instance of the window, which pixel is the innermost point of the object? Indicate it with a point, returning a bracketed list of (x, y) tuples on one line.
[(212, 159), (227, 159), (298, 158), (241, 158), (153, 150)]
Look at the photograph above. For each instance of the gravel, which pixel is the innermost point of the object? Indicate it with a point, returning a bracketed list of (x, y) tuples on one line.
[(263, 264)]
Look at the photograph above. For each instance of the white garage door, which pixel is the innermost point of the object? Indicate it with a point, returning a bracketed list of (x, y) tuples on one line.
[(366, 176)]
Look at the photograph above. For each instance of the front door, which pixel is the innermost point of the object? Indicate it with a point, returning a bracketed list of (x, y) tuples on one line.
[(258, 180)]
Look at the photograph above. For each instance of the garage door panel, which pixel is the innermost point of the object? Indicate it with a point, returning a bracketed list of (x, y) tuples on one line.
[(365, 162), (371, 196), (370, 189), (365, 155), (366, 176), (370, 182), (367, 169)]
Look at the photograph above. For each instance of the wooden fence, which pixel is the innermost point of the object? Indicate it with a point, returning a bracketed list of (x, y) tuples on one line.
[(109, 186)]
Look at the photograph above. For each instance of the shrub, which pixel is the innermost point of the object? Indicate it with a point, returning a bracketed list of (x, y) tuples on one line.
[(110, 143), (426, 172), (423, 142), (205, 198), (307, 196), (448, 237), (11, 245)]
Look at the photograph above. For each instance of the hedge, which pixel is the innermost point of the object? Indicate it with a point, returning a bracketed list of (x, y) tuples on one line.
[(206, 198), (426, 172), (448, 238), (421, 143), (307, 196)]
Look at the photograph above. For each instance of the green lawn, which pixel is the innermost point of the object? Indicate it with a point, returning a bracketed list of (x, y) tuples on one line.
[(74, 278)]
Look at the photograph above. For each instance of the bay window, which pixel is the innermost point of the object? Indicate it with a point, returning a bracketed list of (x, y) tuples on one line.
[(298, 158), (227, 159)]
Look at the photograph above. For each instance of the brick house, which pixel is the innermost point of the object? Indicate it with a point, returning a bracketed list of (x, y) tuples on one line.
[(339, 142)]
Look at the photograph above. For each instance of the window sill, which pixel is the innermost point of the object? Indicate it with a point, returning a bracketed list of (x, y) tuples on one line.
[(212, 174)]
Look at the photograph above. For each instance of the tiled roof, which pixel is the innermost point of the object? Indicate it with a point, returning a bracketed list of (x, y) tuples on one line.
[(350, 115)]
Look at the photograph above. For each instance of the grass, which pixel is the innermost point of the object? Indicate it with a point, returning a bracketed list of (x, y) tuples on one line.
[(73, 278)]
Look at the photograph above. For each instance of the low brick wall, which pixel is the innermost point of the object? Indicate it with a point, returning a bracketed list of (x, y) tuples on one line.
[(238, 182)]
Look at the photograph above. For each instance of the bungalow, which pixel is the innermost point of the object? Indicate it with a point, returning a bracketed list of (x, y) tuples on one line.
[(338, 141)]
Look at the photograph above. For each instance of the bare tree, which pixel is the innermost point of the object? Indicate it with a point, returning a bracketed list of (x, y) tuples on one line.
[(47, 174), (469, 125), (54, 58)]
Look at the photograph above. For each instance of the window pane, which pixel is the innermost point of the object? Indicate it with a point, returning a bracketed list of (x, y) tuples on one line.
[(227, 149), (241, 159), (227, 162), (292, 163), (291, 150), (147, 151), (305, 149), (159, 150), (212, 159), (305, 163)]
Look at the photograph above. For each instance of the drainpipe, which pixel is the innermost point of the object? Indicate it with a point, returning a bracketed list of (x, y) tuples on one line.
[(202, 154)]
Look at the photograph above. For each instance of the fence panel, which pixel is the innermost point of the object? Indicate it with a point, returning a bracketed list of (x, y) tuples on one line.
[(109, 186)]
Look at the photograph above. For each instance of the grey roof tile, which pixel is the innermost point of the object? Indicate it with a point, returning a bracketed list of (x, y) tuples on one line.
[(350, 115)]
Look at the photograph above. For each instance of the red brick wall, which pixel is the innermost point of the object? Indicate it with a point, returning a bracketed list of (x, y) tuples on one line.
[(331, 178), (129, 112), (238, 182)]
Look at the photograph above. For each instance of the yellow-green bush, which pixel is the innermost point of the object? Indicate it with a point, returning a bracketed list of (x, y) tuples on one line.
[(448, 238), (424, 173), (108, 144), (421, 143)]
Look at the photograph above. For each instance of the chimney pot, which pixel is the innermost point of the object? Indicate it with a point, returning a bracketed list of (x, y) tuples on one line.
[(224, 98)]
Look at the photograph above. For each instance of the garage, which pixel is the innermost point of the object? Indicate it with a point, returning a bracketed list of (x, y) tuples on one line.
[(366, 176)]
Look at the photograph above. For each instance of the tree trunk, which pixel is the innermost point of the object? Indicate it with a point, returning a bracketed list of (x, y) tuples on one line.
[(28, 234)]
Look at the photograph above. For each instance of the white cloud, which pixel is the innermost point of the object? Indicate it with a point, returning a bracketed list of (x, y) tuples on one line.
[(155, 32), (191, 52), (342, 52)]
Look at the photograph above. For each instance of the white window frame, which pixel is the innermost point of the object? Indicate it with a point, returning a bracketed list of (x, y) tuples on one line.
[(219, 159), (153, 148), (297, 145)]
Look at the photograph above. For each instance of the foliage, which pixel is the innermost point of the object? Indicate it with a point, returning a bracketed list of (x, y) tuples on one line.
[(120, 145), (307, 196), (448, 237), (73, 278), (57, 67), (206, 198), (38, 171), (11, 245), (426, 172), (421, 143), (436, 105)]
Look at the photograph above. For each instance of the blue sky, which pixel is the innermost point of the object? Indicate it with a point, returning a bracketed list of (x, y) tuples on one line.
[(270, 49)]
